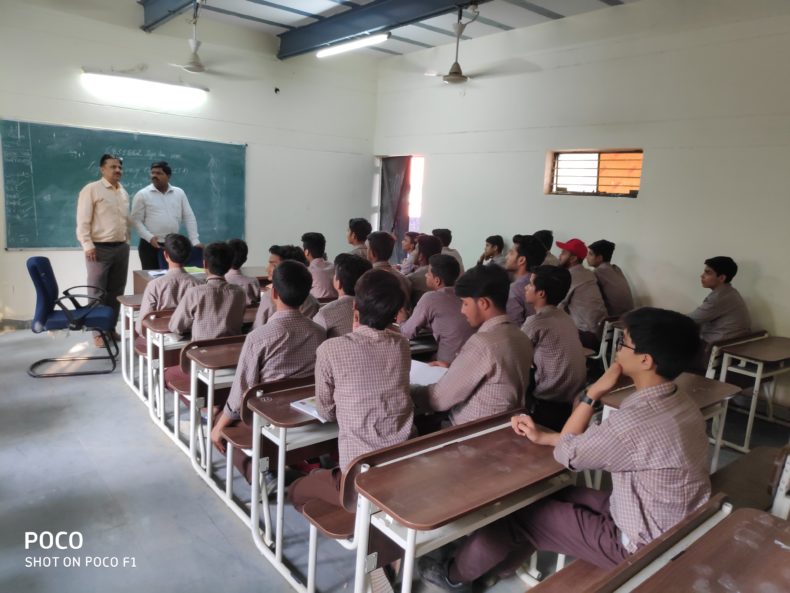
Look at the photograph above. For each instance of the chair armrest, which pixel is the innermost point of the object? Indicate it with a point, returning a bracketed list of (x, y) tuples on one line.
[(101, 292), (73, 323)]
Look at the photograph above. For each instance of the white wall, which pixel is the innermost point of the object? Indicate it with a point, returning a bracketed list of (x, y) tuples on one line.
[(703, 87), (309, 155)]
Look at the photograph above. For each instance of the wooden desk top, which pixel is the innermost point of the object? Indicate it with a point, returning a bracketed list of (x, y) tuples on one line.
[(772, 349), (159, 325), (748, 551), (434, 488), (216, 357), (705, 392), (276, 409), (133, 301)]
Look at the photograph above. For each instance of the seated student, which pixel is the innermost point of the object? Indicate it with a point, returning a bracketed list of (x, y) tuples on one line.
[(583, 302), (522, 258), (492, 252), (216, 308), (167, 291), (409, 245), (614, 287), (446, 237), (284, 348), (427, 246), (440, 309), (380, 248), (357, 234), (655, 447), (267, 308), (723, 313), (250, 285), (362, 382), (491, 372), (560, 364), (314, 245), (337, 317), (547, 238)]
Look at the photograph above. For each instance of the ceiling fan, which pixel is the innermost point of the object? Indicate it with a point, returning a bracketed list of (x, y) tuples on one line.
[(456, 75)]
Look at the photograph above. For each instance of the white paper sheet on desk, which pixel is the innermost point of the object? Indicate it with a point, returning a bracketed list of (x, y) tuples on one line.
[(156, 273), (424, 374), (307, 405)]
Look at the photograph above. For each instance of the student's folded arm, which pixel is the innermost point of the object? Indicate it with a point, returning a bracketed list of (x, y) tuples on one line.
[(418, 319), (247, 374), (324, 389), (596, 448), (465, 374), (181, 321), (705, 312)]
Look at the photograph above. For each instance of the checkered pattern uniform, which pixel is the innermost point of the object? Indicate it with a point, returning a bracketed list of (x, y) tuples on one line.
[(584, 302), (250, 285), (211, 310), (336, 317), (323, 272), (267, 308), (440, 311), (165, 292)]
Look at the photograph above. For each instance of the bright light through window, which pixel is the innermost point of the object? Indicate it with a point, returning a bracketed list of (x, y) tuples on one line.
[(143, 93), (416, 176)]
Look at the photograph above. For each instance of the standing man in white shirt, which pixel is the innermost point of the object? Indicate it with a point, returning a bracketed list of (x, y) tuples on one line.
[(158, 210)]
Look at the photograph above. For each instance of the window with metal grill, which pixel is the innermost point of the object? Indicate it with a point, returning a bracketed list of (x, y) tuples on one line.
[(615, 173)]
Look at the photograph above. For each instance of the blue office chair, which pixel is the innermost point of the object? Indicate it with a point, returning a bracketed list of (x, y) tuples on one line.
[(195, 258), (54, 312)]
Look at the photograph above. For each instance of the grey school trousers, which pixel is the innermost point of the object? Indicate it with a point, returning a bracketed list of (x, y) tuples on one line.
[(574, 521), (109, 272)]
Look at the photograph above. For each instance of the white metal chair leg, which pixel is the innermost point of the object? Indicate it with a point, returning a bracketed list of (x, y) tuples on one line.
[(229, 472), (311, 559)]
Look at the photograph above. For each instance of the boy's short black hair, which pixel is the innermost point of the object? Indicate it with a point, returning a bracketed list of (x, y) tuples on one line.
[(360, 227), (546, 237), (444, 235), (555, 281), (348, 269), (517, 239), (603, 248), (381, 244), (240, 251), (533, 249), (315, 244), (723, 265), (672, 339), (292, 281), (164, 166), (378, 298), (496, 241), (485, 281), (178, 248), (412, 235), (218, 257), (445, 267), (286, 252), (428, 246)]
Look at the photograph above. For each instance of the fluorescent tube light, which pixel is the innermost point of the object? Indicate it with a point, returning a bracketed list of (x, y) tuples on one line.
[(352, 45), (138, 92)]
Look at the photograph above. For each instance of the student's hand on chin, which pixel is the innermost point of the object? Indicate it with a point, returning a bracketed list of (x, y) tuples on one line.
[(606, 383)]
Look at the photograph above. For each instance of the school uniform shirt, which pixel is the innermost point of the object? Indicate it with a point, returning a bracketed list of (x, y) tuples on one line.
[(102, 214), (418, 284), (455, 254), (490, 374), (337, 317), (211, 310), (323, 273), (165, 292), (656, 449), (405, 284), (584, 302), (560, 364), (440, 311), (157, 214), (267, 308), (407, 266), (284, 348), (614, 289), (362, 382), (722, 315), (250, 285), (518, 309), (550, 259), (360, 250)]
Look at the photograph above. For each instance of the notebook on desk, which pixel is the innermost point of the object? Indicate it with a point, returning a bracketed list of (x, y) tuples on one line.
[(307, 405), (422, 373)]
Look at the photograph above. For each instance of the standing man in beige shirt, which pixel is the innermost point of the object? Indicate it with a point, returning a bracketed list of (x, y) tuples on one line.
[(103, 232)]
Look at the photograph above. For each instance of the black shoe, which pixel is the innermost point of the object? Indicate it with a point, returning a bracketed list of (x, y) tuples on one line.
[(435, 573)]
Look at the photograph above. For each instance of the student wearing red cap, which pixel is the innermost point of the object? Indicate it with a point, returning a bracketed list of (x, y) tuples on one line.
[(583, 302)]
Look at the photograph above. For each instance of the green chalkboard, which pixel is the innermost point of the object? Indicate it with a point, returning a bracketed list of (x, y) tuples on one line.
[(45, 167)]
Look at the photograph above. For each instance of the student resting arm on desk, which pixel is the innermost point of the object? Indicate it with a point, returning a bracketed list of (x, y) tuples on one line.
[(337, 317), (655, 447)]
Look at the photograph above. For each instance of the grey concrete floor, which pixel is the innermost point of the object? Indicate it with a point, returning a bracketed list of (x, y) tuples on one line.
[(81, 455)]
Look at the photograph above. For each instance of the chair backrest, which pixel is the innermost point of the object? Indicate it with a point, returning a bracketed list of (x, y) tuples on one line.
[(270, 388), (195, 258), (186, 364), (40, 270), (348, 492)]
